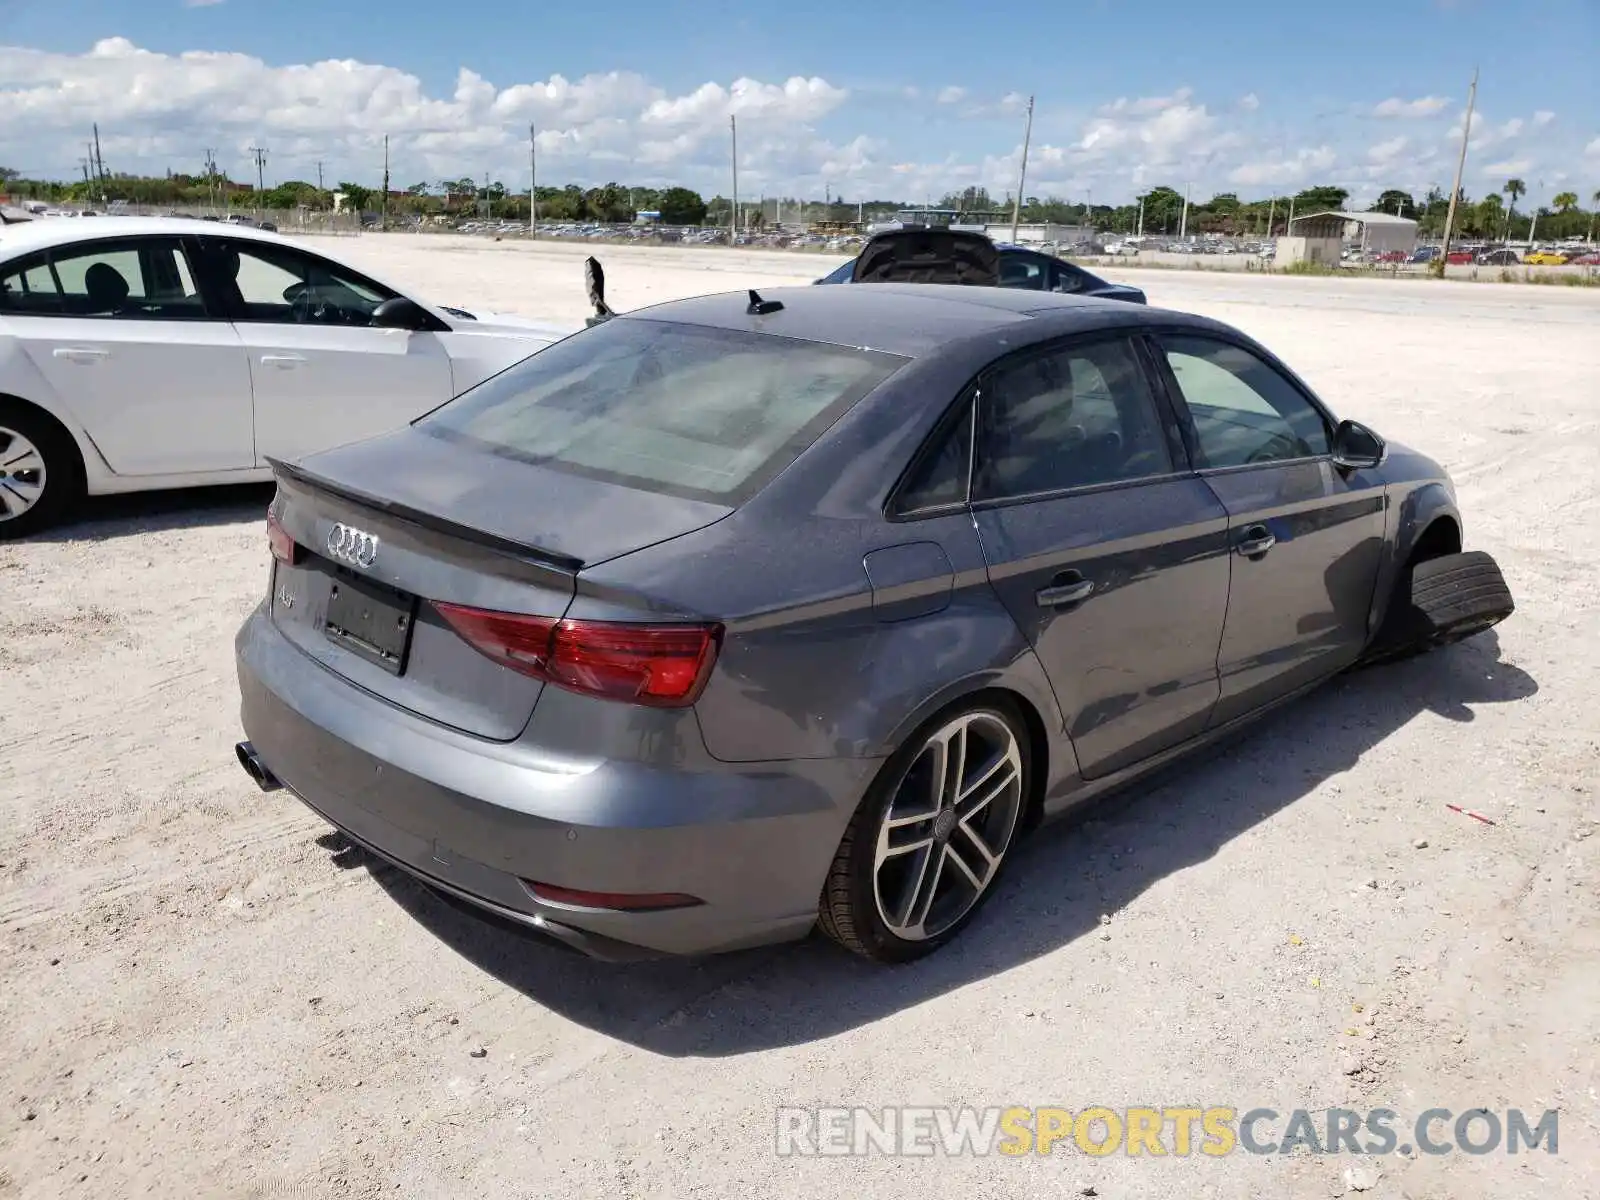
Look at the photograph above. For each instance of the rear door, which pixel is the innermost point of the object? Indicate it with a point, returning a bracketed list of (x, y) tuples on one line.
[(1306, 538), (321, 374), (1110, 555), (120, 330)]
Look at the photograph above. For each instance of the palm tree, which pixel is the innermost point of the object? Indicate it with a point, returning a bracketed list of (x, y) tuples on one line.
[(1565, 202), (1594, 200), (1514, 188)]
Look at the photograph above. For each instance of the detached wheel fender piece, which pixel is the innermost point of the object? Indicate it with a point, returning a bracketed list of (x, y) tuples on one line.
[(41, 473)]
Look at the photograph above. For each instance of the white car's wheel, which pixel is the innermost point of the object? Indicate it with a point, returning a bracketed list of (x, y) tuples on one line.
[(40, 474)]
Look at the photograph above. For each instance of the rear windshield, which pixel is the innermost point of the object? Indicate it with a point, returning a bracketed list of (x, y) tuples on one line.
[(708, 414)]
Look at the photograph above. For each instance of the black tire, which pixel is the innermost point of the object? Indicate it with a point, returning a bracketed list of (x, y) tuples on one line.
[(848, 912), (1443, 600), (62, 475)]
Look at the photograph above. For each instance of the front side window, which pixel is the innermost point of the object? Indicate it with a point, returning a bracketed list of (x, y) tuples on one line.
[(132, 279), (680, 409), (279, 285), (1245, 412), (1078, 416)]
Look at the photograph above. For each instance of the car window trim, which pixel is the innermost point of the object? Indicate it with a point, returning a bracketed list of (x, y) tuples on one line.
[(1129, 334), (1191, 435), (964, 406), (140, 244)]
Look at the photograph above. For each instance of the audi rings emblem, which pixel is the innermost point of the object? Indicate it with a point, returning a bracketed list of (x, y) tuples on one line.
[(354, 546)]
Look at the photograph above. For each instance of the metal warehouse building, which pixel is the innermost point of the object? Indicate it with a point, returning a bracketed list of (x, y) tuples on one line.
[(1320, 237)]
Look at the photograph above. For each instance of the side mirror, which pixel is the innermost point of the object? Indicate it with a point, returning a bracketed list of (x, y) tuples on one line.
[(400, 313), (1356, 447), (594, 280)]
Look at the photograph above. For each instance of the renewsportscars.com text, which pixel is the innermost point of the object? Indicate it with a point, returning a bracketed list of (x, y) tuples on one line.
[(1180, 1131)]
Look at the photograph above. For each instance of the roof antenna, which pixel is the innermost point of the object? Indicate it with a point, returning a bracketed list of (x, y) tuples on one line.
[(759, 307)]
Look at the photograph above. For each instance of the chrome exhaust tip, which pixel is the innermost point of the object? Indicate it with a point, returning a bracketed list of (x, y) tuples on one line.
[(255, 768)]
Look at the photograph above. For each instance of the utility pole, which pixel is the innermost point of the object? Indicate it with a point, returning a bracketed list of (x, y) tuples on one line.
[(261, 177), (100, 164), (1461, 166), (319, 176), (1288, 230), (211, 177), (1022, 174), (1183, 221), (533, 181), (1272, 211), (383, 209), (733, 133)]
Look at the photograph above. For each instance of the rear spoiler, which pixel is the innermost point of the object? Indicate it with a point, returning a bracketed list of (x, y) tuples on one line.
[(426, 520)]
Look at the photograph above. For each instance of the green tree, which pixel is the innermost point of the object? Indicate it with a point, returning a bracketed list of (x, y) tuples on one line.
[(1516, 189), (356, 196), (1321, 199), (680, 206), (1396, 203), (1565, 202)]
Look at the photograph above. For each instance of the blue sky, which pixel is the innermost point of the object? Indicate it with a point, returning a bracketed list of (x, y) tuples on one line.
[(1249, 98)]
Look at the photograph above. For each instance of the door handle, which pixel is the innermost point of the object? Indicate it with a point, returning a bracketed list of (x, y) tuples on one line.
[(1256, 541), (282, 361), (1067, 588), (84, 354)]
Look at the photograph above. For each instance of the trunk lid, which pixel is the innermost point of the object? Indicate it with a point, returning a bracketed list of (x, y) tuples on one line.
[(388, 525)]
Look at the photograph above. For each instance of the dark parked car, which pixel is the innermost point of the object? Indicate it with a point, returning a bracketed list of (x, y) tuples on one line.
[(1002, 265), (708, 624)]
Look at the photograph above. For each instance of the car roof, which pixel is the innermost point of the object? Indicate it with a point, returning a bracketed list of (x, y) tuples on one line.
[(908, 319), (45, 232)]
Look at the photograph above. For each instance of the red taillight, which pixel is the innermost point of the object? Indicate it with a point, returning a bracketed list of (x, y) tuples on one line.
[(284, 548), (619, 901), (664, 666)]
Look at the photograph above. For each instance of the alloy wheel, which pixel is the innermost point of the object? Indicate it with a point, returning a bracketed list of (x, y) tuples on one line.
[(944, 834), (22, 474)]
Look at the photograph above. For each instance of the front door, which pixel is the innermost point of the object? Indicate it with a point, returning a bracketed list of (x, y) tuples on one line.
[(322, 374), (119, 330), (1108, 553), (1307, 538)]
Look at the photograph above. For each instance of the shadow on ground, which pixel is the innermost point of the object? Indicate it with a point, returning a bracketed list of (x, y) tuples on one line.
[(104, 518), (1062, 879)]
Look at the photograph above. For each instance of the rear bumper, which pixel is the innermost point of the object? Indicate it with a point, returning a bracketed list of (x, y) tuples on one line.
[(474, 818)]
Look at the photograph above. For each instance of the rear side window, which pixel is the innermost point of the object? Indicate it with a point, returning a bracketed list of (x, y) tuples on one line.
[(684, 410), (132, 279)]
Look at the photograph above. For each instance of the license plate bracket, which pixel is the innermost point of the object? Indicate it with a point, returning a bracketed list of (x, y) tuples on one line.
[(370, 619)]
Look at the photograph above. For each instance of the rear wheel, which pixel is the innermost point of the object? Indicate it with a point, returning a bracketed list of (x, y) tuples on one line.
[(923, 851), (1440, 601), (40, 476)]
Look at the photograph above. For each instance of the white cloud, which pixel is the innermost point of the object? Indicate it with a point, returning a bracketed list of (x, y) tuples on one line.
[(1388, 151), (1542, 118), (952, 95), (1249, 102), (1296, 169), (1593, 148), (1425, 106), (1509, 167), (201, 3)]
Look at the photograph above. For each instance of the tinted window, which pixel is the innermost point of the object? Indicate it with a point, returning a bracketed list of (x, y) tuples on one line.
[(132, 279), (1074, 417), (940, 475), (283, 286), (1244, 411), (682, 409), (1022, 271), (1065, 278)]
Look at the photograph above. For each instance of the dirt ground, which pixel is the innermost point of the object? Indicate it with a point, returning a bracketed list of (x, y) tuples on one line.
[(203, 994)]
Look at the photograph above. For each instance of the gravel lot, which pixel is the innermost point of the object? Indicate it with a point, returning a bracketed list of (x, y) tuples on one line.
[(202, 993)]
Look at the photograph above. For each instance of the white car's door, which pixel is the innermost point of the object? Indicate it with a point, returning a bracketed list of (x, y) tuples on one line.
[(120, 332), (322, 374)]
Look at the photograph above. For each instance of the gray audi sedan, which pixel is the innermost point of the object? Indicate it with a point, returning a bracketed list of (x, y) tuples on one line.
[(736, 616)]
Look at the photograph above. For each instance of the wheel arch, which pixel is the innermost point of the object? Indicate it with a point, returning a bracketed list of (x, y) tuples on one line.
[(1427, 525), (90, 464)]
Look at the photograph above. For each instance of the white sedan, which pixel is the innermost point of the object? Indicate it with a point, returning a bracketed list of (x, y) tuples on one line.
[(138, 353)]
